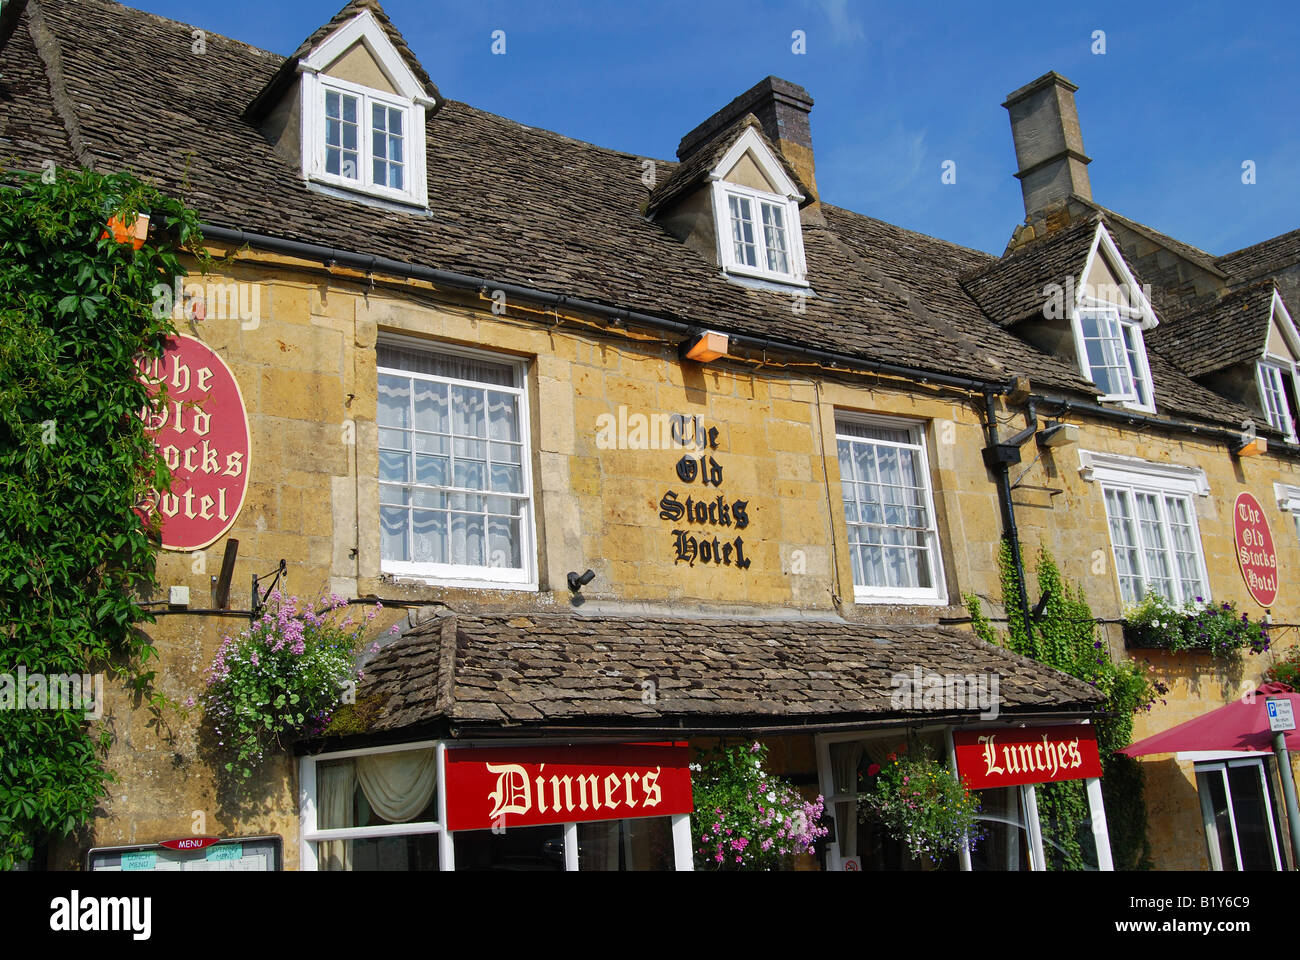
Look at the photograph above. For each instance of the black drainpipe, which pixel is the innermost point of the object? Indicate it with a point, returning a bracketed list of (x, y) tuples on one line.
[(999, 456)]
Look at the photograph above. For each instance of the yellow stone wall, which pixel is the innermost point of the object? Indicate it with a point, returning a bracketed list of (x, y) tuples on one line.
[(306, 366)]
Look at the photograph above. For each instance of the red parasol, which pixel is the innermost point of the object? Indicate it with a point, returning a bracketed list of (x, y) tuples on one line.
[(1241, 725)]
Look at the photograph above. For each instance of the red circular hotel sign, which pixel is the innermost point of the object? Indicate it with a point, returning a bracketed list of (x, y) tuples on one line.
[(1255, 553), (202, 432)]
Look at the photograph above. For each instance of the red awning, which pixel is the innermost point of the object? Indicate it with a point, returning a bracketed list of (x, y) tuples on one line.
[(1241, 725)]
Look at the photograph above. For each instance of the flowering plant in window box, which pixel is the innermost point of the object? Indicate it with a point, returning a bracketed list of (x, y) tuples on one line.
[(745, 818), (1218, 629), (282, 676), (920, 802)]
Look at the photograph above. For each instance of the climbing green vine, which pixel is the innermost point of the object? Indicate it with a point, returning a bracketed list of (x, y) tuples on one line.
[(76, 563), (1066, 637)]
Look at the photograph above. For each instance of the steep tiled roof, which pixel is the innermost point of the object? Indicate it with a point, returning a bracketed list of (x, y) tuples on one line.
[(283, 77), (1188, 252), (692, 171), (1262, 258), (570, 670), (507, 202), (1015, 288), (30, 126), (1232, 330)]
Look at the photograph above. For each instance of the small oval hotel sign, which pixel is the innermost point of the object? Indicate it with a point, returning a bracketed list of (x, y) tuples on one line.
[(201, 429), (1255, 553)]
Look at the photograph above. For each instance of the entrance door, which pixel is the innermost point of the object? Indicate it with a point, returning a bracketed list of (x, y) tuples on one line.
[(1241, 825)]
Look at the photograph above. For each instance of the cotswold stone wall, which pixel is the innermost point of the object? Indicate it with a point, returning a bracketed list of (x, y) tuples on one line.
[(306, 368)]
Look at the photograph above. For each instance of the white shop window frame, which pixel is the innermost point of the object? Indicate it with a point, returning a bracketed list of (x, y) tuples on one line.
[(1037, 858), (864, 594), (1219, 762), (309, 834), (462, 575), (410, 99), (1133, 320), (1135, 475)]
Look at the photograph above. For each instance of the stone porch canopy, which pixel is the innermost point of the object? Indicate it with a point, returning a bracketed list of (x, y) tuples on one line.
[(458, 675)]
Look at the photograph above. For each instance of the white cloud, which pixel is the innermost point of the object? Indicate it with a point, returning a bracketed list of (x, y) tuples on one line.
[(844, 27)]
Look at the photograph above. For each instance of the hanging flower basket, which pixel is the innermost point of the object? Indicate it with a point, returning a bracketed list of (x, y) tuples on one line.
[(921, 803), (747, 819), (282, 677)]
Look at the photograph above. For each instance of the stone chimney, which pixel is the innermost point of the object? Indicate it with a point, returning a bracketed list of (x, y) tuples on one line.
[(782, 108), (1049, 146)]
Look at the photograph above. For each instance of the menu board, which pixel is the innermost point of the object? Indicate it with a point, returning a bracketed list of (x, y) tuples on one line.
[(241, 855)]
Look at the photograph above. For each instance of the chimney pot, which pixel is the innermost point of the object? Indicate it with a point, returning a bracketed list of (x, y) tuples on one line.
[(1049, 144), (782, 109)]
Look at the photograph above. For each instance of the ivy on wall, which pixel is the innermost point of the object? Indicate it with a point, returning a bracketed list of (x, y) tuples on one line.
[(76, 562), (1066, 637)]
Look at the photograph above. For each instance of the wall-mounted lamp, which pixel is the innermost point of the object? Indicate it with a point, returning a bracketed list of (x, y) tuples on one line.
[(1058, 435), (576, 582), (1249, 445), (704, 346)]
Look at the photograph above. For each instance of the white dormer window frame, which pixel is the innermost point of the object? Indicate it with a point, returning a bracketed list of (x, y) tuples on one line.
[(377, 112), (755, 224), (1108, 337), (1271, 372), (1270, 376)]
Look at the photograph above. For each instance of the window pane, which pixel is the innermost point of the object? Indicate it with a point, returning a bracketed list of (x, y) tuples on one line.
[(891, 533), (1123, 538), (774, 238), (341, 155), (1154, 545), (516, 848), (1132, 345), (1251, 814), (1276, 407), (1107, 360), (1186, 552), (642, 843), (435, 463), (742, 231), (1214, 803)]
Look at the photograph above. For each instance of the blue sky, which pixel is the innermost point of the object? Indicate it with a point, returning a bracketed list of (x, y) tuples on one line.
[(1183, 95)]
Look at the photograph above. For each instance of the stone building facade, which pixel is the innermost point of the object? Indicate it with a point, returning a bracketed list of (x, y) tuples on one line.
[(467, 382)]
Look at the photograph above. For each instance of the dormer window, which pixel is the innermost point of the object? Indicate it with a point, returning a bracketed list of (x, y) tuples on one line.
[(1272, 393), (1109, 314), (1114, 355), (756, 211), (759, 240), (364, 142), (363, 111)]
